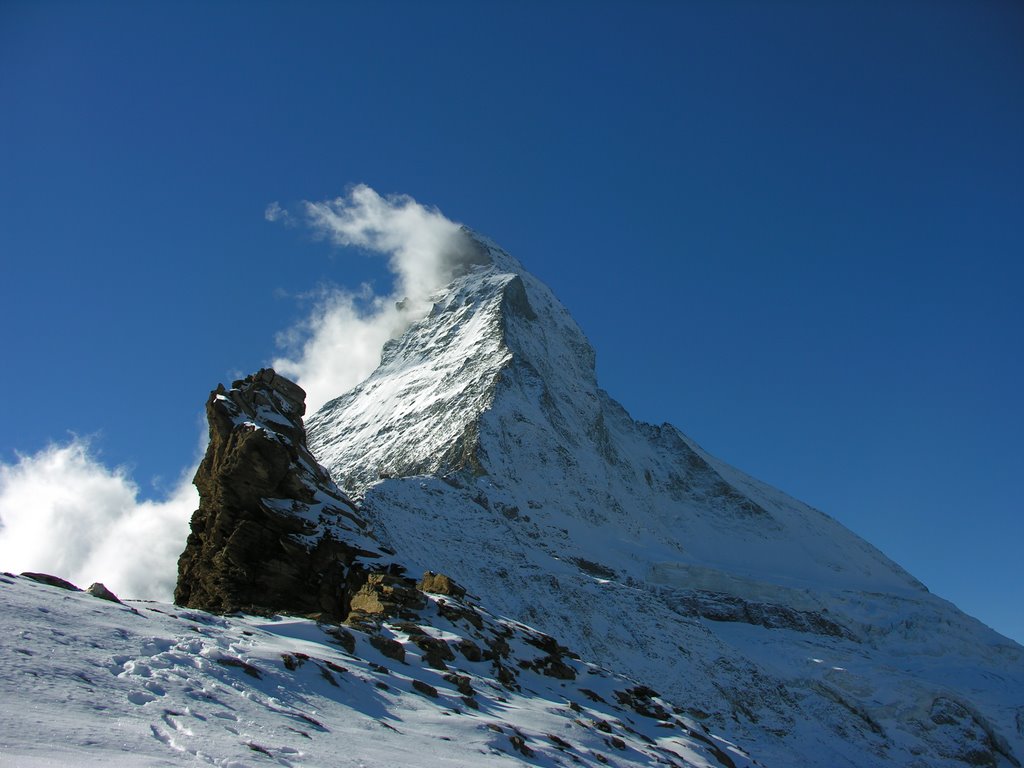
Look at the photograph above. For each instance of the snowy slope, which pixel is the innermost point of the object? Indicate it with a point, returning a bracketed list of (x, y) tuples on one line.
[(88, 682), (483, 445)]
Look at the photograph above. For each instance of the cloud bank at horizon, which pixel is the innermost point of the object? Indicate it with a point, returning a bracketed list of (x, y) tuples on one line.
[(62, 511)]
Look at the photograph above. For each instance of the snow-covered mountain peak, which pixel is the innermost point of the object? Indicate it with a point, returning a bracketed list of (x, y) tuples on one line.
[(499, 380), (419, 411), (484, 445)]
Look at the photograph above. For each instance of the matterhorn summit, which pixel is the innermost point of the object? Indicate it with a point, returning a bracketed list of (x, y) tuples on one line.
[(483, 444)]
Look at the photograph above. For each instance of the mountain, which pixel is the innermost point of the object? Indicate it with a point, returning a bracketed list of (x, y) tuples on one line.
[(483, 445), (477, 556), (367, 666)]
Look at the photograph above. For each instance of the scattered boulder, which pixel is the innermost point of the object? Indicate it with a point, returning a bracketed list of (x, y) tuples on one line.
[(435, 651), (53, 581), (518, 743), (425, 688), (461, 682), (439, 584), (97, 589), (455, 612), (388, 647), (384, 595), (341, 636), (641, 700)]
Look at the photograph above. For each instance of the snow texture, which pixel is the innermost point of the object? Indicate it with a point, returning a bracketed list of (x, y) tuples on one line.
[(89, 682)]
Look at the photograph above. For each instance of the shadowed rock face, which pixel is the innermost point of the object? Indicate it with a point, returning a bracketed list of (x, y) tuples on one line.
[(272, 532)]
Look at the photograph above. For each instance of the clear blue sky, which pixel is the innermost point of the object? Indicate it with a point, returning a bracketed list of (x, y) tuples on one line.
[(794, 229)]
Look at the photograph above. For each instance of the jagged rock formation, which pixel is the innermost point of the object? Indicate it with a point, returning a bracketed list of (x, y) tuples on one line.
[(272, 532), (482, 445)]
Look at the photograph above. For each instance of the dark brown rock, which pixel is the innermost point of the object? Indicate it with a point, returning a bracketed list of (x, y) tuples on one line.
[(388, 647), (97, 589), (552, 666), (53, 581), (640, 699), (461, 682), (518, 743), (272, 532), (470, 650), (435, 651), (425, 688), (455, 612), (342, 637)]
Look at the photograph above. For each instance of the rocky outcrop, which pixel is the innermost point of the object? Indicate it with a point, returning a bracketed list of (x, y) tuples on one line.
[(98, 589), (384, 595), (52, 581), (720, 607), (440, 584), (272, 532)]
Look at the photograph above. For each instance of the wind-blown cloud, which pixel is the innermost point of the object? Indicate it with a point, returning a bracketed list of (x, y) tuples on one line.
[(63, 512), (274, 212), (340, 343)]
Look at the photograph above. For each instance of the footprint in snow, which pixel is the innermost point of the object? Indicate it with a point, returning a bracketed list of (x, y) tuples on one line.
[(117, 663), (171, 718), (141, 697), (136, 669), (156, 645)]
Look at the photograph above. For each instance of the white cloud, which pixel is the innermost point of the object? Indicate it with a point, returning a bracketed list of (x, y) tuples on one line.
[(63, 512), (274, 212), (339, 344)]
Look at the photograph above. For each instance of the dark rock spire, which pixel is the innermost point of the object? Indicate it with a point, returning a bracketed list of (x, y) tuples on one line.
[(272, 532)]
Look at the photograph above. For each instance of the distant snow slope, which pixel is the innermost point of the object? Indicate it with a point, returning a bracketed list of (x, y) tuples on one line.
[(87, 682), (483, 445)]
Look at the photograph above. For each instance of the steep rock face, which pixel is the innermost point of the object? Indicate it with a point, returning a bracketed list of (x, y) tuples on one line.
[(273, 531), (482, 445)]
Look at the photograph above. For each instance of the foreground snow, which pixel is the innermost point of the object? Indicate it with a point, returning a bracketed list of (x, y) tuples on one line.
[(86, 682)]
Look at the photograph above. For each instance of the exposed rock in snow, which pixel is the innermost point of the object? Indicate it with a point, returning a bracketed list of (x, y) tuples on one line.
[(97, 589), (53, 581), (273, 531)]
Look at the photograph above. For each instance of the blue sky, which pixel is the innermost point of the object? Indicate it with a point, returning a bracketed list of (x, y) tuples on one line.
[(792, 229)]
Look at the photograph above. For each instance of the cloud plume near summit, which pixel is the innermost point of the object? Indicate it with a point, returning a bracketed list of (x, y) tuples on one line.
[(339, 344)]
